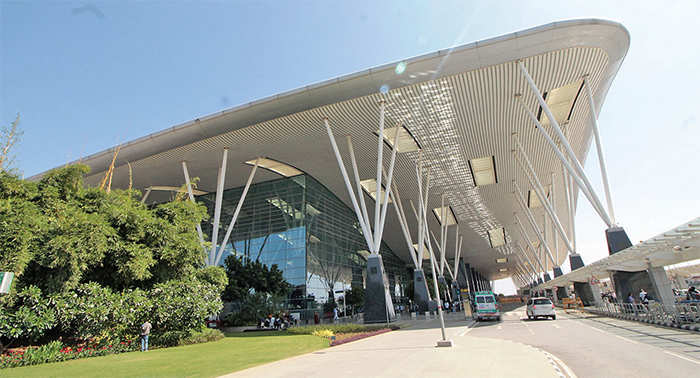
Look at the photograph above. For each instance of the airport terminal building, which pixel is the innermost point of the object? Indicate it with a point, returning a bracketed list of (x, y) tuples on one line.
[(475, 152)]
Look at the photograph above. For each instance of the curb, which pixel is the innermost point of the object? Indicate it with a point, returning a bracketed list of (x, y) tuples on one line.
[(360, 337)]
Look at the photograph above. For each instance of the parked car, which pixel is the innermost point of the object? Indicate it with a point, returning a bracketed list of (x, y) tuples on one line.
[(540, 307)]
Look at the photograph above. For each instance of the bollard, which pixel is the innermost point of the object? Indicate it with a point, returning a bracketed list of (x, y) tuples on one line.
[(427, 315), (413, 315)]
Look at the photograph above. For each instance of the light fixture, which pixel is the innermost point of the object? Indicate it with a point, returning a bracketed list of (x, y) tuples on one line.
[(278, 167), (370, 187), (451, 218), (497, 237), (483, 170), (407, 142), (502, 260), (561, 102), (503, 270)]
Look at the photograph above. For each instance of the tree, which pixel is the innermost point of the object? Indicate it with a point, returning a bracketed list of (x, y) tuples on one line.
[(9, 137), (244, 276), (355, 297), (93, 263)]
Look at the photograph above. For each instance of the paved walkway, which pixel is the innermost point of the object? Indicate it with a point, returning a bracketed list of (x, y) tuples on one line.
[(412, 353)]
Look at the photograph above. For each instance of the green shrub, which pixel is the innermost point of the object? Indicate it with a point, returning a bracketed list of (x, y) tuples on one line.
[(175, 338), (338, 328), (204, 336)]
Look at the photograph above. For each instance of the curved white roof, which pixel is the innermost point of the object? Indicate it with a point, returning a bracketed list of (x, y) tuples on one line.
[(459, 104)]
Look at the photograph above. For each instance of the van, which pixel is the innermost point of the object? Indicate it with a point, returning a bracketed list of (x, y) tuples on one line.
[(486, 306)]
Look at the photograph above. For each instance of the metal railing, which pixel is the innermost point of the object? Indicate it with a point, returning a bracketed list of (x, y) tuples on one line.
[(654, 312)]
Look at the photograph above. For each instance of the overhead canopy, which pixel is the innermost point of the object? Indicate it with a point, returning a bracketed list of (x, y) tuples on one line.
[(677, 245), (458, 110)]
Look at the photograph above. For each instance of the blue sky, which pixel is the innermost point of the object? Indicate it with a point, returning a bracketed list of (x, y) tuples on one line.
[(87, 75)]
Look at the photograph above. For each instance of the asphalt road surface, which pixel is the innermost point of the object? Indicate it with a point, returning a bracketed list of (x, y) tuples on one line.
[(595, 346)]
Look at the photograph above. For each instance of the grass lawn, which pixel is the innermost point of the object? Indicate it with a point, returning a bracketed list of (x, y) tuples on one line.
[(235, 352)]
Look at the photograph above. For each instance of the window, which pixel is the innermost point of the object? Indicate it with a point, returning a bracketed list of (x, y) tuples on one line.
[(489, 299), (483, 170), (542, 301), (480, 299)]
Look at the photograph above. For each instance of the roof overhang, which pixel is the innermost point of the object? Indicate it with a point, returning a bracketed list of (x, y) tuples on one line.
[(457, 103)]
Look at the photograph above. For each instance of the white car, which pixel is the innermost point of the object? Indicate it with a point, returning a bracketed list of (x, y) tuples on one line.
[(540, 307)]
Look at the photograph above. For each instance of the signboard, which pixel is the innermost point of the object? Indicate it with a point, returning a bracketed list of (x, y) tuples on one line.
[(6, 281)]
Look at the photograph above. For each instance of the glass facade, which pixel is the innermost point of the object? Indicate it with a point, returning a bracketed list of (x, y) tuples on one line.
[(310, 234)]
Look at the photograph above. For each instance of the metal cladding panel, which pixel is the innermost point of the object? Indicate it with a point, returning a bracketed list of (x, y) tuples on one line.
[(459, 104)]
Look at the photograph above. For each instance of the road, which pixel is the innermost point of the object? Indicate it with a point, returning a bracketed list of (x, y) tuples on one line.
[(594, 346)]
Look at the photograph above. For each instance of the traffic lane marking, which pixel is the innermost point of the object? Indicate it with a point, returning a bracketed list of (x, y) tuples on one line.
[(640, 343), (682, 357)]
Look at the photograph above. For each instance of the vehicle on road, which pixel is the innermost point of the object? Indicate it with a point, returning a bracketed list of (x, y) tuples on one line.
[(540, 307), (486, 306)]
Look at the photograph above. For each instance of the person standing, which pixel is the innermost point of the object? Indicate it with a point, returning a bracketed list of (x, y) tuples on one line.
[(335, 315), (145, 332)]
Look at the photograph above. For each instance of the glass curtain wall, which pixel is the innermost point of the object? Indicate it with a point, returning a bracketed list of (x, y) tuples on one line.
[(310, 234)]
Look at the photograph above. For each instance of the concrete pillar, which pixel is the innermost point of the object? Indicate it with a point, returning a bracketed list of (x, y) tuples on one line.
[(546, 277), (662, 286), (462, 275), (379, 307), (617, 239), (557, 272), (420, 290)]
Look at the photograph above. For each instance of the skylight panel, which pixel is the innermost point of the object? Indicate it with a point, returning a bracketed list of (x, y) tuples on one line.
[(483, 170), (278, 167), (503, 270), (370, 187), (533, 201), (407, 142), (426, 251), (497, 237), (451, 219), (561, 102), (502, 260)]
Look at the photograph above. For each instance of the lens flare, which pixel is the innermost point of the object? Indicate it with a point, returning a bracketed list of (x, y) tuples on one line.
[(400, 68), (384, 89)]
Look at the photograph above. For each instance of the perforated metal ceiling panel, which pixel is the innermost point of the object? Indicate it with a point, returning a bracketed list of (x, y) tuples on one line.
[(458, 108)]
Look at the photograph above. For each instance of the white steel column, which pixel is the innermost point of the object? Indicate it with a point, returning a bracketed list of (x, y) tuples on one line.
[(531, 219), (404, 224), (217, 205), (351, 150), (539, 191), (528, 242), (599, 148), (582, 180), (191, 196), (552, 201), (365, 232), (235, 213), (380, 166), (385, 203)]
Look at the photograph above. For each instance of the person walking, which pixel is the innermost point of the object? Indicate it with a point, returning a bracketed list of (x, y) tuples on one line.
[(145, 332), (335, 315)]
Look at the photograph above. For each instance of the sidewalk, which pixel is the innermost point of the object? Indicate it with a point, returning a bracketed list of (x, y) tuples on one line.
[(411, 352)]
